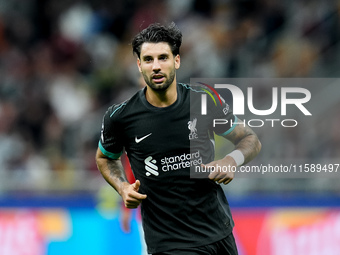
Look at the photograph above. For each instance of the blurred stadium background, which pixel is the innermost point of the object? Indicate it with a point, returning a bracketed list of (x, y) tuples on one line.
[(63, 62)]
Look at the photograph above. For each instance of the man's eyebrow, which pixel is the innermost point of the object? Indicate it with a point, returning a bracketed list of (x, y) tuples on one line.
[(160, 55), (146, 56), (164, 55)]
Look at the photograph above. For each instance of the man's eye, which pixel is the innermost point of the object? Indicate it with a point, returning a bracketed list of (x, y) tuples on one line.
[(148, 59), (163, 58)]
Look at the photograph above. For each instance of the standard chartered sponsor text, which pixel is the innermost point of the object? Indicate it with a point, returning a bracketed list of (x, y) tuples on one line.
[(184, 160)]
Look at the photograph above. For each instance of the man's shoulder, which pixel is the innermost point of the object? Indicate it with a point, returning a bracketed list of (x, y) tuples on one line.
[(124, 107), (195, 88), (198, 89), (116, 109)]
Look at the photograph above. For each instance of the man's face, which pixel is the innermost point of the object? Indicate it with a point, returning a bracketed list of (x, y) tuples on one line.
[(158, 65)]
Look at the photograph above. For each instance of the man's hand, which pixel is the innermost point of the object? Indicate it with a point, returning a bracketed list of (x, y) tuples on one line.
[(221, 170), (130, 195)]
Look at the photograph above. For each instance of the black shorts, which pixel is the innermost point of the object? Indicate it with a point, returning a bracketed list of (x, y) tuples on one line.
[(226, 246)]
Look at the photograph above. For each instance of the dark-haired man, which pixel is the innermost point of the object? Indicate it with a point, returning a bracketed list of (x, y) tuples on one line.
[(165, 138)]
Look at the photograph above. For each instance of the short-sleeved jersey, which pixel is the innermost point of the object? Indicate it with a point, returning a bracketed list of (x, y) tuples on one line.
[(164, 146)]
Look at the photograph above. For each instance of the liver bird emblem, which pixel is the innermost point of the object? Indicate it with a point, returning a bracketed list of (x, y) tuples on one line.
[(192, 126)]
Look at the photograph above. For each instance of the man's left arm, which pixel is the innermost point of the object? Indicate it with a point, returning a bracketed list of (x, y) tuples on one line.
[(247, 146)]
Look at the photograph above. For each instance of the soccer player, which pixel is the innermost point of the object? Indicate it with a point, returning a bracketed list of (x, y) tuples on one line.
[(168, 141)]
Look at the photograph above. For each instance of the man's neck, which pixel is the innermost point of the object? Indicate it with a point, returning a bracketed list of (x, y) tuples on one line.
[(162, 98)]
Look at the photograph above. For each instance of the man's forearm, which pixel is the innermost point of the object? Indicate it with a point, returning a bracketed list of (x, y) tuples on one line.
[(113, 172), (250, 146), (246, 141)]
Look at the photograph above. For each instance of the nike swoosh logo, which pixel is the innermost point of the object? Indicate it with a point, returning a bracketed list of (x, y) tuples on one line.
[(138, 140)]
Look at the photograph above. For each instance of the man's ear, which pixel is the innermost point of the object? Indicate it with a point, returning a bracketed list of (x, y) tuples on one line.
[(138, 64), (177, 61)]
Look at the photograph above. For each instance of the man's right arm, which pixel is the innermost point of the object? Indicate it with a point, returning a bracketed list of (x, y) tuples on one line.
[(113, 172)]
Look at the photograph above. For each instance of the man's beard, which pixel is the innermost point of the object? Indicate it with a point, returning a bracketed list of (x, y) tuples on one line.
[(164, 86)]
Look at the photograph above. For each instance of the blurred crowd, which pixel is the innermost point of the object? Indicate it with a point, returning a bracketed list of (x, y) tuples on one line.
[(63, 62)]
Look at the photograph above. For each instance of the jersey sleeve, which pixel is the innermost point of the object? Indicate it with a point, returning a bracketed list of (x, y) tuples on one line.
[(110, 142), (224, 121)]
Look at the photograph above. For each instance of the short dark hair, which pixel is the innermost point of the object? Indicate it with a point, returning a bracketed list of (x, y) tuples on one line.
[(156, 33)]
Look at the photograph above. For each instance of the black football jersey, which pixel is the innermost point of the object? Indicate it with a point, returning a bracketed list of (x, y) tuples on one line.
[(166, 147)]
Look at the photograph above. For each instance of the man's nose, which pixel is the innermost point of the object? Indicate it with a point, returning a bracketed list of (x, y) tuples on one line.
[(156, 66)]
